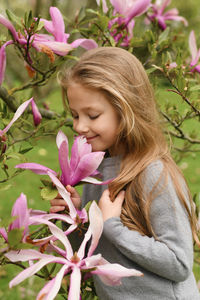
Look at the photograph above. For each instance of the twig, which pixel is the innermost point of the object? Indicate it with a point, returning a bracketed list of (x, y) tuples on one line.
[(181, 135), (184, 137), (12, 104), (177, 91), (107, 39)]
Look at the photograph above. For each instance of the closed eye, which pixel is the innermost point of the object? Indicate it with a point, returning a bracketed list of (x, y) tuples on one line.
[(94, 117)]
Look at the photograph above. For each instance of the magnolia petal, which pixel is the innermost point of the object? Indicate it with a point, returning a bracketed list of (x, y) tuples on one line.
[(130, 8), (3, 60), (45, 290), (64, 164), (75, 284), (61, 217), (161, 22), (48, 25), (59, 234), (36, 114), (17, 114), (81, 250), (197, 68), (93, 261), (58, 24), (96, 226), (9, 25), (3, 233), (61, 137), (36, 168), (111, 274), (105, 8), (79, 148), (177, 18), (20, 209), (96, 181), (138, 8), (31, 271), (84, 43), (165, 3), (87, 165), (24, 255), (82, 215), (64, 194), (52, 288), (58, 48)]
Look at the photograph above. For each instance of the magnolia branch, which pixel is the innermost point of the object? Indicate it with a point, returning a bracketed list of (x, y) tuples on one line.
[(181, 134), (12, 104), (177, 91)]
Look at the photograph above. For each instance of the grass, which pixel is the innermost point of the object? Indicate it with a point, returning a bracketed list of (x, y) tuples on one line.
[(45, 152)]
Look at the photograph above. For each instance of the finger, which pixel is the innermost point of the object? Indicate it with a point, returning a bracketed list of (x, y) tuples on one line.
[(55, 209), (58, 202), (71, 190), (106, 193), (58, 196), (120, 197)]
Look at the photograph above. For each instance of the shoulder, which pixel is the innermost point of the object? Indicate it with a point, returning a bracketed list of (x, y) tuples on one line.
[(154, 174)]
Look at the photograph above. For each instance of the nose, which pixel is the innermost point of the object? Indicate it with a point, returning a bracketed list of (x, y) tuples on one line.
[(80, 126)]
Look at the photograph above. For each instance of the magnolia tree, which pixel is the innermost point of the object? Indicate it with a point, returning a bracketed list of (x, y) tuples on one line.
[(156, 33)]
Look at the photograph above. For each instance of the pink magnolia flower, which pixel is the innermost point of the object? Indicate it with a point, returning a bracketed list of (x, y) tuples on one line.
[(72, 262), (19, 112), (26, 217), (36, 114), (23, 219), (19, 210), (74, 218), (161, 16), (58, 44), (128, 9), (195, 53), (55, 43), (80, 167)]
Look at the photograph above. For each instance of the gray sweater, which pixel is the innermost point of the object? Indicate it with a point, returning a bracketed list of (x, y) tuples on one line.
[(166, 263)]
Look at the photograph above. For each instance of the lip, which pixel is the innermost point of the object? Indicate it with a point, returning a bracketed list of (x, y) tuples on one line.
[(91, 138)]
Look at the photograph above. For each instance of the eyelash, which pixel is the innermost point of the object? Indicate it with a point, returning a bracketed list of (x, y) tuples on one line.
[(91, 117), (94, 117)]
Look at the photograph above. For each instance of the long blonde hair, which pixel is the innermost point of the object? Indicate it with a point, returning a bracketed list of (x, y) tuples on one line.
[(121, 77)]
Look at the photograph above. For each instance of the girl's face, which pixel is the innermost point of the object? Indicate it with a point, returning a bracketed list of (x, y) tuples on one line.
[(93, 117)]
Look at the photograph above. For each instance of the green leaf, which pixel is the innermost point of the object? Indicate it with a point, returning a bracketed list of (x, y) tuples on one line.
[(92, 11), (103, 22), (151, 70), (163, 36), (195, 88), (49, 193), (5, 187), (25, 150), (7, 221), (88, 206), (13, 18), (46, 182), (15, 236), (40, 25), (16, 155)]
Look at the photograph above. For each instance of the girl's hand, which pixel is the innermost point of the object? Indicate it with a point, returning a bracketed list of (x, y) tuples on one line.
[(108, 208), (58, 204)]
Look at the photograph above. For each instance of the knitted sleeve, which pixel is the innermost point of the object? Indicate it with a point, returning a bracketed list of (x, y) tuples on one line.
[(170, 255)]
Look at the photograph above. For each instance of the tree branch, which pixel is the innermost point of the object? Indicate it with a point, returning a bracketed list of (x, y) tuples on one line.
[(11, 103)]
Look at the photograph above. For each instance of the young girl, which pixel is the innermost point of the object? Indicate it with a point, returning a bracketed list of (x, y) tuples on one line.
[(148, 212)]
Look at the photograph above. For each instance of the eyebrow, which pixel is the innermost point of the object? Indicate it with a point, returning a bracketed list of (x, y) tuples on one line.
[(87, 108)]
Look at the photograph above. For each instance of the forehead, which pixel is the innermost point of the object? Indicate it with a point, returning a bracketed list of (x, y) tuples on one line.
[(80, 97)]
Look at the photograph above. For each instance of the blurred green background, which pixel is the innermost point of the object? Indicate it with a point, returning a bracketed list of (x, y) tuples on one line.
[(45, 150)]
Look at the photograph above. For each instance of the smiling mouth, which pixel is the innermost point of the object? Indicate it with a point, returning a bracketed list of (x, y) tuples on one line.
[(91, 138)]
